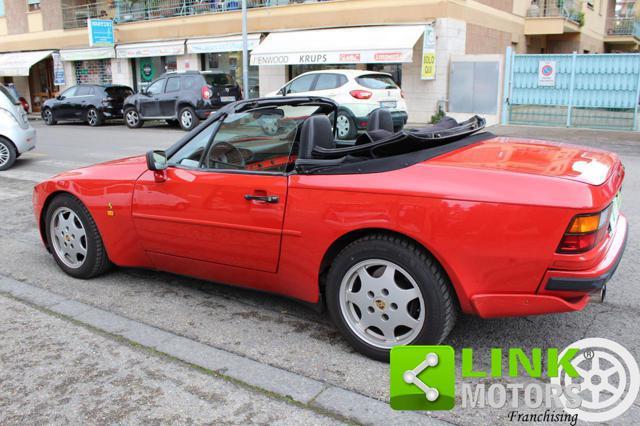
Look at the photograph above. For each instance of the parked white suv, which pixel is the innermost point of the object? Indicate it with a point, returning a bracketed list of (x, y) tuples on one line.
[(357, 92), (16, 135)]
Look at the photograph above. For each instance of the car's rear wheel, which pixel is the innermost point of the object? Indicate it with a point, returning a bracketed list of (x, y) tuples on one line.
[(132, 118), (383, 291), (188, 118), (8, 154), (94, 117), (47, 116), (345, 126), (74, 239)]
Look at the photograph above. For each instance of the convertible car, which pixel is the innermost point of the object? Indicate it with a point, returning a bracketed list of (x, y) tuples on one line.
[(395, 234)]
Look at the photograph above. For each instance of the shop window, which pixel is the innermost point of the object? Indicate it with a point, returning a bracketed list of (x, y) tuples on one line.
[(33, 5), (1, 8), (149, 69), (93, 72), (231, 63)]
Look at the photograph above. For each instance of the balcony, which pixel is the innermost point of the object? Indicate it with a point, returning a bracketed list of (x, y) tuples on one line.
[(553, 17), (121, 11), (623, 33)]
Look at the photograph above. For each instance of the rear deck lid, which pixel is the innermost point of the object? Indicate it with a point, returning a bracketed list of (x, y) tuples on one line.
[(587, 165)]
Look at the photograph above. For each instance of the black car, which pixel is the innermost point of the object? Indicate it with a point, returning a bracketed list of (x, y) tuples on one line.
[(186, 97), (91, 103)]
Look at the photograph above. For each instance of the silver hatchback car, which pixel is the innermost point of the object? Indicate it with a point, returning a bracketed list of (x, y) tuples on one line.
[(16, 135)]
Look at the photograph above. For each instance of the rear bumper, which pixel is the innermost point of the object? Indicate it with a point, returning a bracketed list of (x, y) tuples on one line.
[(23, 139), (561, 291)]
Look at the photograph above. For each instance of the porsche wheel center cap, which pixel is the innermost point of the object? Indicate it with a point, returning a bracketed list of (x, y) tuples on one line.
[(380, 304)]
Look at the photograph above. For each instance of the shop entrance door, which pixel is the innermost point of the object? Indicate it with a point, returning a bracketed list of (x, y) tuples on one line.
[(41, 85)]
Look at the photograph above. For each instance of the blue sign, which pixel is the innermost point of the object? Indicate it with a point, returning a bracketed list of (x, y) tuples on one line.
[(100, 32)]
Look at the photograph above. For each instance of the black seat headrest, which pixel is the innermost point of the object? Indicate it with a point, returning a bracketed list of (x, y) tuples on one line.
[(380, 119), (316, 131)]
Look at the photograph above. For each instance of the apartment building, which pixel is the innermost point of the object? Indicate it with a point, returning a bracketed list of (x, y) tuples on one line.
[(44, 44)]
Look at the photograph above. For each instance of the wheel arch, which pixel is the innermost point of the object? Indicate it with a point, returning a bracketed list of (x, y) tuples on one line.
[(343, 241), (4, 138), (181, 104)]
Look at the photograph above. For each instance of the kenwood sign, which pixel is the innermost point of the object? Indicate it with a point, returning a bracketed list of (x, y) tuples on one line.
[(361, 57)]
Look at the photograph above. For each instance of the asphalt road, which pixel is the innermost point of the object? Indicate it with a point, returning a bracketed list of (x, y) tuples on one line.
[(269, 329)]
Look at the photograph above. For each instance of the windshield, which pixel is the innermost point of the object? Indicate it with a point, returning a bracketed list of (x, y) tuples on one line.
[(11, 93), (219, 79), (376, 81), (119, 92)]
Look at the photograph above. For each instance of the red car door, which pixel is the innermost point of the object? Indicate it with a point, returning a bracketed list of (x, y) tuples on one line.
[(213, 216)]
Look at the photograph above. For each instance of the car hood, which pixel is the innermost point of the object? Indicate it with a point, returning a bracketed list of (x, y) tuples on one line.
[(587, 165), (129, 168)]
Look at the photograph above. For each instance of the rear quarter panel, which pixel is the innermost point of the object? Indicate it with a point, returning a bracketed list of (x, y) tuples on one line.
[(492, 231)]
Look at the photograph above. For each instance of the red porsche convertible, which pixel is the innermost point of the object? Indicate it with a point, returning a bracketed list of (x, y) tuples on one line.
[(395, 234)]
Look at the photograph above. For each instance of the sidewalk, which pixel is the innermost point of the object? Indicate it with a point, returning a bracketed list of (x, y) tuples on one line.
[(55, 371)]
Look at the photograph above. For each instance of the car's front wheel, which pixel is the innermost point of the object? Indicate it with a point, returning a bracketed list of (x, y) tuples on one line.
[(132, 118), (188, 118), (383, 291), (47, 116), (94, 117), (74, 239), (8, 154), (345, 126)]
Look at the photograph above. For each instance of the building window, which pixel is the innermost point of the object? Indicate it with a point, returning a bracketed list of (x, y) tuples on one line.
[(94, 72), (33, 5)]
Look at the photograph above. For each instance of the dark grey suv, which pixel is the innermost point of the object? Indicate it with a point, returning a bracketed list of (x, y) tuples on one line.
[(181, 97)]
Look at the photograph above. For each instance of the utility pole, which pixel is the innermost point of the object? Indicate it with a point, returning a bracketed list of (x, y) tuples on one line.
[(245, 52)]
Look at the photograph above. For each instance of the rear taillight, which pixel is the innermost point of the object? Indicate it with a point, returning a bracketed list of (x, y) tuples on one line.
[(206, 92), (585, 232), (361, 94), (25, 104)]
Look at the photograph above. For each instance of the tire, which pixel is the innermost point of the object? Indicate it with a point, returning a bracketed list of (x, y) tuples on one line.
[(8, 154), (47, 117), (94, 117), (188, 118), (77, 256), (346, 127), (418, 297), (132, 118)]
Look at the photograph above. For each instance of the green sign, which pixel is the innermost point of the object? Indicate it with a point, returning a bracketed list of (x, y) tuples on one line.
[(423, 378)]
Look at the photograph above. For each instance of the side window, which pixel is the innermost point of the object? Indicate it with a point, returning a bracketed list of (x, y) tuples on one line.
[(253, 141), (70, 92), (189, 82), (156, 87), (83, 91), (301, 84), (173, 85), (327, 82), (191, 153)]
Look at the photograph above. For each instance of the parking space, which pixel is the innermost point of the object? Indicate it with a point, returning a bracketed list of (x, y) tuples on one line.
[(268, 329)]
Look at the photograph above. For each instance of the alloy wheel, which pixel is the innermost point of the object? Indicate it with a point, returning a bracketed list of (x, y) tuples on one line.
[(4, 154), (92, 117), (48, 116), (186, 119), (381, 303), (132, 118), (343, 125), (68, 237)]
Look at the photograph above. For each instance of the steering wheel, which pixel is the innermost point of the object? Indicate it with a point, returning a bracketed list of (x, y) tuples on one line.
[(226, 154)]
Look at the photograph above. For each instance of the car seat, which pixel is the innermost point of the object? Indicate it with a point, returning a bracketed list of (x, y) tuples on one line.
[(316, 132), (379, 127)]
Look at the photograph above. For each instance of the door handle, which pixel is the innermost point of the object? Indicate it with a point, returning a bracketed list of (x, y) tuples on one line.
[(271, 199)]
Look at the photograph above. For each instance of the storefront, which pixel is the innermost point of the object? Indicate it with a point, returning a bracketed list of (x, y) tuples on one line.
[(89, 65), (224, 54), (150, 60), (32, 74), (394, 49)]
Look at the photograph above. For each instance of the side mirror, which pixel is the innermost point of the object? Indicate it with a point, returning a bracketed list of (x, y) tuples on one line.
[(60, 97), (156, 160), (281, 91)]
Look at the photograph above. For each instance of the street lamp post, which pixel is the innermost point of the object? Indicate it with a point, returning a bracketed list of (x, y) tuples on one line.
[(245, 52)]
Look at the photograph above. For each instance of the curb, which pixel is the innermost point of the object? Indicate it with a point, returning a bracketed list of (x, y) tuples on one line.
[(305, 391)]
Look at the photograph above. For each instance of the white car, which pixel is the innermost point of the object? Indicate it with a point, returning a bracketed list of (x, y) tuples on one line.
[(357, 92), (16, 135)]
